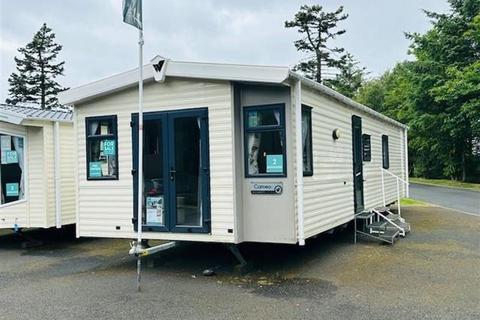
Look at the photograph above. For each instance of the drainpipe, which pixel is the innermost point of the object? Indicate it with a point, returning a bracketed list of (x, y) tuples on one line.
[(407, 186), (299, 159), (58, 194)]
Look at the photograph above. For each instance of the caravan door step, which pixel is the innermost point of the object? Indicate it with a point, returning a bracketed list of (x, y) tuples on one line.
[(377, 226), (364, 215), (389, 236)]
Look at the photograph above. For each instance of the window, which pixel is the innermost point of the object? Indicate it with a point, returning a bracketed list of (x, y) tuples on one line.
[(366, 147), (12, 168), (265, 151), (385, 153), (307, 141), (102, 148)]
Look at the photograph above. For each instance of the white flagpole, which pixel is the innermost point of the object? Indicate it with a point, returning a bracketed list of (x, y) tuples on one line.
[(140, 154)]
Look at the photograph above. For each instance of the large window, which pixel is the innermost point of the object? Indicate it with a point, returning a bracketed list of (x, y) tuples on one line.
[(385, 152), (102, 148), (265, 150), (307, 141), (12, 168)]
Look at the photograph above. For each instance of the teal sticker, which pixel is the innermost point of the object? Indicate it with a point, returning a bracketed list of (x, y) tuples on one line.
[(95, 169), (275, 163), (109, 147), (252, 119), (12, 189), (11, 157)]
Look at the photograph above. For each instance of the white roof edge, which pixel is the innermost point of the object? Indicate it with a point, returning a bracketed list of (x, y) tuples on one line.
[(199, 70), (340, 97)]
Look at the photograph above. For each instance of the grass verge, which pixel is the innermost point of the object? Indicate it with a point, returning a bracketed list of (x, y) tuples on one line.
[(409, 202), (447, 183)]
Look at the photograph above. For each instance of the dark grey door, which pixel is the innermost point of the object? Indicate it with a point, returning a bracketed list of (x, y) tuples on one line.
[(357, 163), (176, 171)]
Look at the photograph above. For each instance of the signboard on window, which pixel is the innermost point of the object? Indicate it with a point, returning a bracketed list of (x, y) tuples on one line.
[(274, 163), (95, 169), (11, 157), (366, 147), (5, 145), (154, 207), (11, 189), (109, 147)]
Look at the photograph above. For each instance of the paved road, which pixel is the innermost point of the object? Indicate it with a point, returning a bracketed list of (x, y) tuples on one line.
[(458, 199)]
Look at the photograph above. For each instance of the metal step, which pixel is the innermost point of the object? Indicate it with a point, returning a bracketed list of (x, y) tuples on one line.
[(377, 225), (382, 210), (364, 215), (389, 236)]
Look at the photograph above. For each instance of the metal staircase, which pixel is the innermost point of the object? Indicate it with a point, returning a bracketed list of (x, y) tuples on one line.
[(381, 223)]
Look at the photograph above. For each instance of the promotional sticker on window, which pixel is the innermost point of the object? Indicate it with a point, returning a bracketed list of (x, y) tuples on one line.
[(12, 189), (252, 119), (5, 145), (109, 147), (95, 169), (11, 157), (154, 206), (275, 163)]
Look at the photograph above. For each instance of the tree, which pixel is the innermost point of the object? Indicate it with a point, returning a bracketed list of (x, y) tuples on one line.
[(34, 81), (350, 78), (316, 27), (437, 95)]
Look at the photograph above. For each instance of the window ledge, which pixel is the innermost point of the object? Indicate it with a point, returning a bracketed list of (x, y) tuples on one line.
[(5, 205)]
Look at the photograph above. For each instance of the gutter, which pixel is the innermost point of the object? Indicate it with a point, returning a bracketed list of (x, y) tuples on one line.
[(297, 91), (58, 192)]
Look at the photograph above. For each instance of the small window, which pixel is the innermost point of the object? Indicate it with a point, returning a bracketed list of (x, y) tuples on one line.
[(102, 148), (265, 151), (307, 141), (366, 147), (12, 168), (385, 152)]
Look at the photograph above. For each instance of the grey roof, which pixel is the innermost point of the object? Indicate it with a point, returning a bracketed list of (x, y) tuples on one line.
[(36, 113)]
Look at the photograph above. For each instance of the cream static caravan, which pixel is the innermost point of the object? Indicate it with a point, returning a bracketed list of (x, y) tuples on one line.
[(221, 155), (37, 181)]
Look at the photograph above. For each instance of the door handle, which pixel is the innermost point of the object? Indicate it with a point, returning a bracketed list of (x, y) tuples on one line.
[(172, 174), (357, 174)]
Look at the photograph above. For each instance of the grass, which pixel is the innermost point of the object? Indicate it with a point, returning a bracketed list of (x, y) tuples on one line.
[(447, 183), (408, 202)]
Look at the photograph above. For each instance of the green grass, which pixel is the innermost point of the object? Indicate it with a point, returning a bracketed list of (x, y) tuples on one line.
[(408, 202), (447, 183)]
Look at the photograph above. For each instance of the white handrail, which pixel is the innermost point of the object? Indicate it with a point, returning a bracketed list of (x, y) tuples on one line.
[(397, 180)]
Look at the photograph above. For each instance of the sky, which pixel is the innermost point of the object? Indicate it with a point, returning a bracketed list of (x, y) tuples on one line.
[(96, 43)]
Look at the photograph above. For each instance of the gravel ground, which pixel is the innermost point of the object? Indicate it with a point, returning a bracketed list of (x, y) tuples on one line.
[(433, 273)]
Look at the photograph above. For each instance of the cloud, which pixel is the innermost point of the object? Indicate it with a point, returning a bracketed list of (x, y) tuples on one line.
[(96, 43)]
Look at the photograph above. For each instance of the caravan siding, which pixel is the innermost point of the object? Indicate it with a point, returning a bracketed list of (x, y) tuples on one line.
[(328, 194), (105, 208)]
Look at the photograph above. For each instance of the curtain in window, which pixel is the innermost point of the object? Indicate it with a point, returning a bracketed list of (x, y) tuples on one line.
[(305, 129), (18, 144), (94, 127), (199, 189)]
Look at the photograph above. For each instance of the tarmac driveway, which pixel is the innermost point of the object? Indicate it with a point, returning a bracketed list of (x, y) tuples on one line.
[(458, 199), (432, 274)]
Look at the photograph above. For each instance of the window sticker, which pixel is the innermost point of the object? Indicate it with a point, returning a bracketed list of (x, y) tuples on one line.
[(11, 157), (108, 147), (95, 169), (274, 163), (5, 145), (252, 119), (154, 207), (12, 189)]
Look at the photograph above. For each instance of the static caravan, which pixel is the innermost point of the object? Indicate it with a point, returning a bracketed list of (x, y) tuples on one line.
[(36, 168), (232, 153)]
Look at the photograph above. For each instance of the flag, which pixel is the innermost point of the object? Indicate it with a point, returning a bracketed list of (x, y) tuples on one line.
[(132, 13)]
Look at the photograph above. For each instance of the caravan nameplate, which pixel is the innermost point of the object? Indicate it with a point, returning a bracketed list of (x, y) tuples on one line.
[(266, 188)]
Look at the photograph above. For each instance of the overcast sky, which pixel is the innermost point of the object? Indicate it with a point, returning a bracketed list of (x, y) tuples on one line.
[(96, 43)]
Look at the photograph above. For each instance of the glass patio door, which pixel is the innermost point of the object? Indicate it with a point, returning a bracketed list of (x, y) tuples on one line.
[(176, 171)]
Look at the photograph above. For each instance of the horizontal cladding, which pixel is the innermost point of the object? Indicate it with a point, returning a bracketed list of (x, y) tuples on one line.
[(328, 194), (105, 205), (67, 162)]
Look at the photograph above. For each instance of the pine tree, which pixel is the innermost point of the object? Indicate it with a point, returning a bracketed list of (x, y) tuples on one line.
[(34, 81), (350, 79), (317, 26)]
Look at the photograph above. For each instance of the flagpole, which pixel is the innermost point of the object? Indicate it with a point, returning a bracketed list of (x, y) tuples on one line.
[(140, 154)]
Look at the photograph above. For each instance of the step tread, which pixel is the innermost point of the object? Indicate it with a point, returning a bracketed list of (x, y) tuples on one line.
[(364, 215), (377, 224), (389, 235)]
